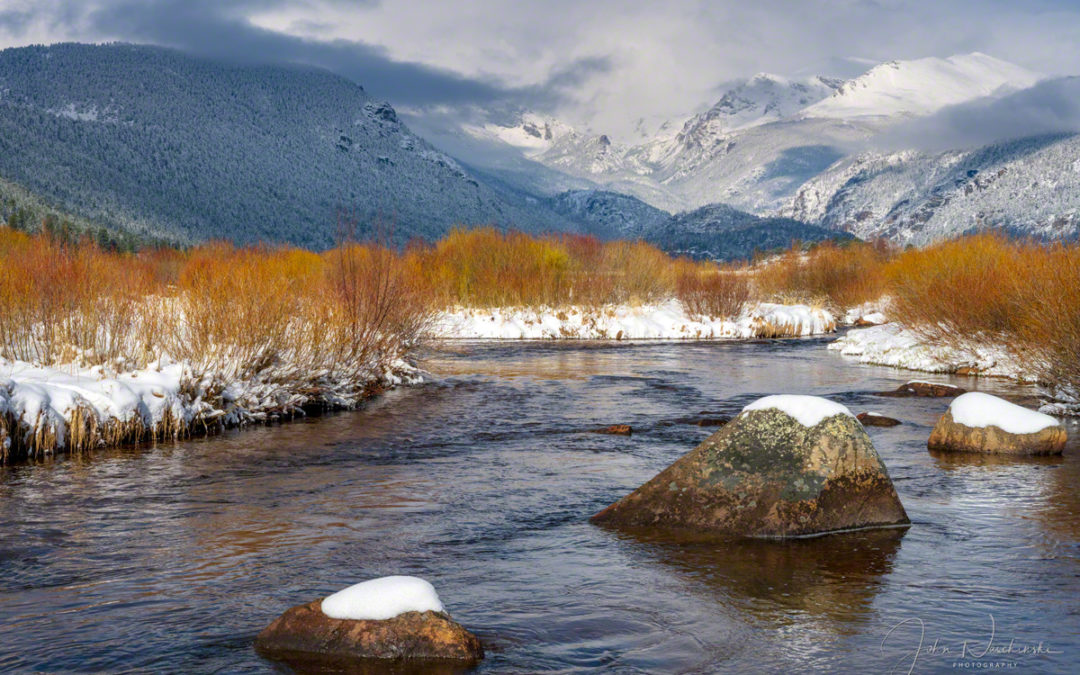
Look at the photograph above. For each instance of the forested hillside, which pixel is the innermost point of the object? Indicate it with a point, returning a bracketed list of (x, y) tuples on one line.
[(163, 144)]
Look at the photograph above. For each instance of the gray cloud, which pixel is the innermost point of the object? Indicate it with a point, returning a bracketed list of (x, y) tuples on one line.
[(603, 64), (1050, 107), (214, 29)]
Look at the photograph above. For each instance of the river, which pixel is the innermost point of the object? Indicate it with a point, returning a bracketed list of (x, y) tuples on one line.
[(171, 558)]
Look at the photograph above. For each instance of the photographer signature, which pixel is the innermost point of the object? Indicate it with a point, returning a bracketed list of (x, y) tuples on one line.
[(992, 653)]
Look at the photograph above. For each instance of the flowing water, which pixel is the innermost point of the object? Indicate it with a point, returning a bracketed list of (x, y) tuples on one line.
[(172, 558)]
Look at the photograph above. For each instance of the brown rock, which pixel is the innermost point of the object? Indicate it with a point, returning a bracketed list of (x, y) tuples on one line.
[(863, 323), (765, 474), (869, 419), (615, 430), (951, 436), (305, 632), (928, 389)]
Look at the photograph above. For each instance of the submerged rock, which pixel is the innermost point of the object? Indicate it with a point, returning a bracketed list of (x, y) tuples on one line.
[(870, 419), (978, 422), (393, 618), (712, 421), (615, 430), (786, 466), (927, 389)]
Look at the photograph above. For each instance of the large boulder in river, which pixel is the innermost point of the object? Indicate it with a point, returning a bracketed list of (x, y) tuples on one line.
[(786, 466), (392, 618), (978, 422)]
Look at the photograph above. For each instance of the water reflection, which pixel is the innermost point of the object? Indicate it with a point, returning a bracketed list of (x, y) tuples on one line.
[(832, 578)]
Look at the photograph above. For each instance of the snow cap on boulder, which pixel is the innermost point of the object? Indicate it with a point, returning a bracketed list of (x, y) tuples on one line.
[(978, 422), (808, 410), (382, 598)]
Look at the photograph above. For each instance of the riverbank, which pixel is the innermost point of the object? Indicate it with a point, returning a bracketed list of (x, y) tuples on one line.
[(45, 410), (898, 346)]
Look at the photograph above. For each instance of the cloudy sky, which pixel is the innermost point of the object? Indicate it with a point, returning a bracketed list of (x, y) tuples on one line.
[(602, 64)]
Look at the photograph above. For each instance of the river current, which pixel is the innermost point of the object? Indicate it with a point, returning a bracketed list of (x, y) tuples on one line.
[(171, 558)]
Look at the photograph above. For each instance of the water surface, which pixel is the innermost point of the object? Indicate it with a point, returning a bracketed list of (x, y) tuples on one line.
[(172, 558)]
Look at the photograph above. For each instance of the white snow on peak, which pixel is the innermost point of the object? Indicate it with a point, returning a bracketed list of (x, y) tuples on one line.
[(761, 99), (808, 411), (382, 598), (977, 410), (532, 133), (922, 86)]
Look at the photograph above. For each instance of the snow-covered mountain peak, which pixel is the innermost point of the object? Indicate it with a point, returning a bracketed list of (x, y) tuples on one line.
[(530, 132), (922, 86), (760, 99)]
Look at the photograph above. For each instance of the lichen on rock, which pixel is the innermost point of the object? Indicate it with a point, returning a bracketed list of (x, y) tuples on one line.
[(765, 474)]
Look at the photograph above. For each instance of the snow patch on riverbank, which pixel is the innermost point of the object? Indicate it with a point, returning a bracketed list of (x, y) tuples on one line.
[(45, 409), (895, 345), (623, 322), (873, 312)]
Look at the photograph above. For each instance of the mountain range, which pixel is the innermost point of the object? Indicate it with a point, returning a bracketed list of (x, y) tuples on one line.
[(768, 135), (168, 146)]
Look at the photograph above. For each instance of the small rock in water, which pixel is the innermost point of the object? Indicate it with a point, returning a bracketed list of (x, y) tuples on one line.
[(786, 466), (870, 419), (926, 389), (402, 619), (978, 422), (615, 430)]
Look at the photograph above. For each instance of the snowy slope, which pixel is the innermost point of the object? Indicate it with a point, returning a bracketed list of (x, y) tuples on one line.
[(164, 144), (922, 86), (765, 137), (1029, 187), (761, 99)]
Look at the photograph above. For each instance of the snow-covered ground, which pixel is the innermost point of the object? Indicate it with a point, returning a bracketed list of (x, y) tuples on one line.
[(893, 344), (873, 312), (623, 322), (44, 409)]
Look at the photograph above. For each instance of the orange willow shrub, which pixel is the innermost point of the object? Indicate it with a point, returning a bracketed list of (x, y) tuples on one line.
[(709, 290), (237, 307), (379, 304), (278, 313), (963, 288), (1046, 328), (488, 268), (841, 276), (61, 302)]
